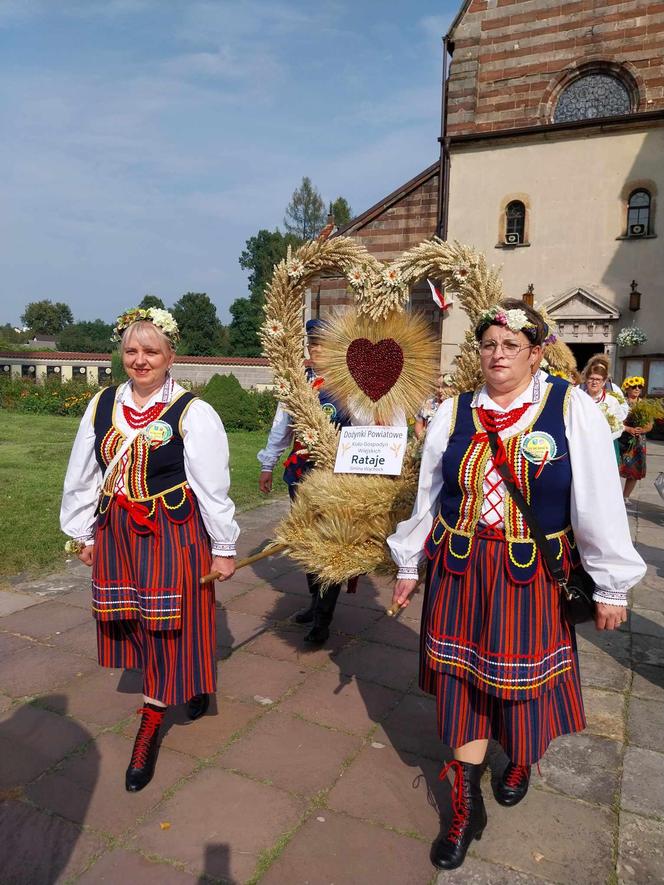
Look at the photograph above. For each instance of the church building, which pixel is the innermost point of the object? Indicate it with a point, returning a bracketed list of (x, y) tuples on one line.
[(551, 163)]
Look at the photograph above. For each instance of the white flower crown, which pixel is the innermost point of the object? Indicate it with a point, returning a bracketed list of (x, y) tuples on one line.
[(162, 319)]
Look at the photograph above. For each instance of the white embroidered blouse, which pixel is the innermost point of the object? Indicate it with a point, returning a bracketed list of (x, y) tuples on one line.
[(598, 516), (205, 463)]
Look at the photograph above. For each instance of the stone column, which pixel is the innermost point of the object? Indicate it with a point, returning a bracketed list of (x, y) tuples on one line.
[(40, 373), (66, 372)]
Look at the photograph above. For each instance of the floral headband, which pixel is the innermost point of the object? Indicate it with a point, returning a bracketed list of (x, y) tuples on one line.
[(162, 319), (515, 319), (633, 381)]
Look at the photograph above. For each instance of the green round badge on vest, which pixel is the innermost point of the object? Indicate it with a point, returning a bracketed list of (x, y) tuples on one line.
[(538, 447), (158, 433)]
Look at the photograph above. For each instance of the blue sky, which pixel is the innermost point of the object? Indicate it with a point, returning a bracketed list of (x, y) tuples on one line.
[(143, 141)]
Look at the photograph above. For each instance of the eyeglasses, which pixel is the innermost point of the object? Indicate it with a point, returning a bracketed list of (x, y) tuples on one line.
[(510, 349)]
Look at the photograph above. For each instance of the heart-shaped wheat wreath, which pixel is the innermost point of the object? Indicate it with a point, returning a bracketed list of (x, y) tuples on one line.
[(379, 359)]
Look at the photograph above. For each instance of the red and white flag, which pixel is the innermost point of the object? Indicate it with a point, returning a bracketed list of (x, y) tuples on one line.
[(438, 296)]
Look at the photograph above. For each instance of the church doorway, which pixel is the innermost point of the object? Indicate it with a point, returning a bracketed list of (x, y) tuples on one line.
[(583, 352)]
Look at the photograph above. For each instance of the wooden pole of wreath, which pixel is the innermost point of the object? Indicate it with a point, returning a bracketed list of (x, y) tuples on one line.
[(270, 550)]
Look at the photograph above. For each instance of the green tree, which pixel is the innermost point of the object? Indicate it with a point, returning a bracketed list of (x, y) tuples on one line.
[(90, 336), (199, 325), (151, 301), (259, 257), (305, 214), (47, 318), (341, 211), (247, 316), (13, 339)]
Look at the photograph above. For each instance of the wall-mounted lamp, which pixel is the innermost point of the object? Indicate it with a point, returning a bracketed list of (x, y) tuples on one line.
[(634, 297), (529, 296)]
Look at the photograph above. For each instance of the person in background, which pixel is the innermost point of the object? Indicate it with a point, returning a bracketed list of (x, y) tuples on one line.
[(430, 405), (602, 360), (632, 443), (596, 385), (146, 504), (320, 611), (496, 649)]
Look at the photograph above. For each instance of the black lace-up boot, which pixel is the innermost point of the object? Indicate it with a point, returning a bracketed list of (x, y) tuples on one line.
[(146, 748), (197, 706), (306, 616), (323, 613), (513, 785), (468, 818)]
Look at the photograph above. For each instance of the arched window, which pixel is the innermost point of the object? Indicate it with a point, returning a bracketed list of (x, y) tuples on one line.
[(638, 213), (593, 95), (515, 223)]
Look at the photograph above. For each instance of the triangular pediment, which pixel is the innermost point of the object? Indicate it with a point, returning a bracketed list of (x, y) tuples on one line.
[(581, 305)]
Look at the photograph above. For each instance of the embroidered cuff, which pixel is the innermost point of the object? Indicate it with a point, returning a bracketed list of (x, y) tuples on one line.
[(87, 540), (407, 573), (221, 548), (610, 597)]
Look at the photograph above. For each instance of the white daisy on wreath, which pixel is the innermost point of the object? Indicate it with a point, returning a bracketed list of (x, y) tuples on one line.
[(274, 328), (357, 277), (283, 386), (461, 273), (309, 437), (392, 277), (295, 268)]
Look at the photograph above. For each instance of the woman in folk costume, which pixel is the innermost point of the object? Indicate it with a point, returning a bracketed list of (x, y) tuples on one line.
[(163, 519), (602, 360), (611, 404), (632, 442), (496, 649), (321, 609)]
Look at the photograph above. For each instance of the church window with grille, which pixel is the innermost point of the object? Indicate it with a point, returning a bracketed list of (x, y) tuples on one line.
[(515, 223), (638, 213), (593, 95)]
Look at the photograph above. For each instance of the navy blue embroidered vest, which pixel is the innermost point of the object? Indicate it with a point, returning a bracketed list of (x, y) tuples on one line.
[(298, 467), (154, 471), (544, 481)]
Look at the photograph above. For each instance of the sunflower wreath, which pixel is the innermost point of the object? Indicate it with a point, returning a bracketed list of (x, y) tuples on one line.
[(379, 359)]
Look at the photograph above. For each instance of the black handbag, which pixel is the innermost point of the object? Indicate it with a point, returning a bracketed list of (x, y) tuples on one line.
[(577, 590)]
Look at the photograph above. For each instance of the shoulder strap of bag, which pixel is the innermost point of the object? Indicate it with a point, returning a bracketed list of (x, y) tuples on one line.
[(538, 535), (126, 445)]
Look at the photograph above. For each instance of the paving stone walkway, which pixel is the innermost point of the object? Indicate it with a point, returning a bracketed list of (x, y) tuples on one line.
[(313, 766)]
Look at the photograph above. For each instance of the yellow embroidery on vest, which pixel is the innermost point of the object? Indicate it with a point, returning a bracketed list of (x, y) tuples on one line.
[(515, 561)]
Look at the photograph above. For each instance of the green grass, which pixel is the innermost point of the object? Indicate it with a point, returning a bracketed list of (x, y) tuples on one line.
[(34, 450)]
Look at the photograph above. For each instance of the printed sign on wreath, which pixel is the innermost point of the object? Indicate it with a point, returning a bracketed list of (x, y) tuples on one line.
[(372, 449)]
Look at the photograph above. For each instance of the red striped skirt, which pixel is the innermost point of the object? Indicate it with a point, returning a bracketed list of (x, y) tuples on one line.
[(499, 657), (152, 613)]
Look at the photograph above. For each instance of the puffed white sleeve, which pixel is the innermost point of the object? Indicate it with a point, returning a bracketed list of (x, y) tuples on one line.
[(206, 465), (599, 519), (407, 542), (82, 481), (278, 440)]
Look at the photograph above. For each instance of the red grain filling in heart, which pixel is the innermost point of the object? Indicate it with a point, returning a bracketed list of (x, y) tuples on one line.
[(375, 367)]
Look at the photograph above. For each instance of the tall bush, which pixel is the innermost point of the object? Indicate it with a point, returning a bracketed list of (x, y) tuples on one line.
[(238, 408)]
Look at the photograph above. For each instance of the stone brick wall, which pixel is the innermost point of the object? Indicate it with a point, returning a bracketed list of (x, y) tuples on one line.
[(511, 57), (402, 220)]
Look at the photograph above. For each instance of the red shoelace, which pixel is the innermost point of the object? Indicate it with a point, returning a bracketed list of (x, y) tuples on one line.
[(516, 775), (149, 727), (460, 817), (496, 422)]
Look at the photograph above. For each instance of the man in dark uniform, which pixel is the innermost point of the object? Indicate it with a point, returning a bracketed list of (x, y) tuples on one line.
[(321, 610)]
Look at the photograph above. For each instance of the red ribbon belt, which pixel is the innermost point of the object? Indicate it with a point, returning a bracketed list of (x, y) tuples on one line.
[(138, 512)]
